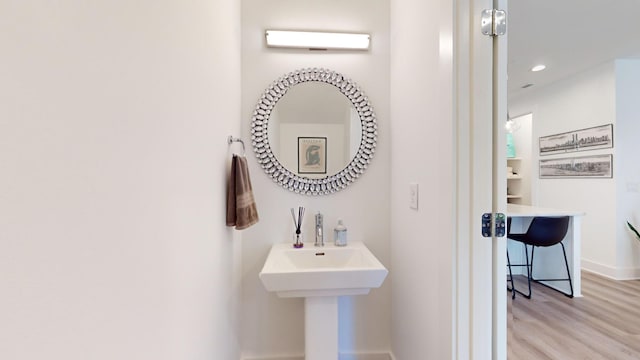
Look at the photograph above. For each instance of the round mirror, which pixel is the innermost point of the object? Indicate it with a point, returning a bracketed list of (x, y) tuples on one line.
[(318, 138)]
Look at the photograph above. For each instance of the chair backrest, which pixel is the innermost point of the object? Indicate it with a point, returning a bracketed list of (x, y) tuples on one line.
[(547, 231)]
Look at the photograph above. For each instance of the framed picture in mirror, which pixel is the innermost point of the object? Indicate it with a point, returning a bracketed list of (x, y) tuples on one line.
[(312, 155)]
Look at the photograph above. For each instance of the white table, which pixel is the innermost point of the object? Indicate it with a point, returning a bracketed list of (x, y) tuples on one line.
[(549, 261)]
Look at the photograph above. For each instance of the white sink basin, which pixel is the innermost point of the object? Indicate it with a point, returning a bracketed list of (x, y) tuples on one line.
[(322, 271)]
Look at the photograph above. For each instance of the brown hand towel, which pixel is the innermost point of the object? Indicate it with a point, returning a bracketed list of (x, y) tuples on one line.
[(241, 206)]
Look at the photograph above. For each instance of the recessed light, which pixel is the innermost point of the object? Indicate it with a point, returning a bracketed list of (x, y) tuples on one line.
[(538, 68)]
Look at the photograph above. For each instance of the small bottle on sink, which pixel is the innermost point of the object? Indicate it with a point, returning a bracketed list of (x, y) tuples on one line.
[(340, 234)]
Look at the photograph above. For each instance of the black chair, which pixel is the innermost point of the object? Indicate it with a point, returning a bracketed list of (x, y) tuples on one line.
[(545, 232), (513, 293)]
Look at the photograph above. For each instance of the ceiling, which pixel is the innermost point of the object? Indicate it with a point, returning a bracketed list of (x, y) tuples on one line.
[(568, 36)]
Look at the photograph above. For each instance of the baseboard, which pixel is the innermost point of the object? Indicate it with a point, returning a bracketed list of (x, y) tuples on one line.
[(367, 356), (342, 356), (610, 272), (283, 357)]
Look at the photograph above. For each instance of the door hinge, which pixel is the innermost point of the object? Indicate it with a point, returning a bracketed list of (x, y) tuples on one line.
[(493, 22), (493, 221)]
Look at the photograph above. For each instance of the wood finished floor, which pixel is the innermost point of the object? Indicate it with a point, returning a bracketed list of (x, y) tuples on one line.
[(603, 324)]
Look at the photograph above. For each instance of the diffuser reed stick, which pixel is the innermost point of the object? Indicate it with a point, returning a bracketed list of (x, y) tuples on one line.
[(297, 223)]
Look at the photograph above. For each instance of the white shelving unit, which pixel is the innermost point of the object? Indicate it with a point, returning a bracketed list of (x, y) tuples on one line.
[(514, 183), (520, 184)]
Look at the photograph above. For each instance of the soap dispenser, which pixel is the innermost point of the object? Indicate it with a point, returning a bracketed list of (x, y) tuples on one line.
[(340, 234)]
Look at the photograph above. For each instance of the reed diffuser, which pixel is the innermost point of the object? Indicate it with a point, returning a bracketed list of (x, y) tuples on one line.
[(297, 223)]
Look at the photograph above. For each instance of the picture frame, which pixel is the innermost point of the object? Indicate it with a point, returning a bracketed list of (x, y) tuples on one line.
[(598, 137), (312, 155), (594, 166)]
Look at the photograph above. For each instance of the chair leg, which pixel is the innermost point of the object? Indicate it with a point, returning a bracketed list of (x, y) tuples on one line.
[(529, 269), (533, 250), (566, 263), (513, 293), (528, 296)]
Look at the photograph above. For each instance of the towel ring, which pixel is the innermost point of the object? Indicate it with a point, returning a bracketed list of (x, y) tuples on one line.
[(231, 140)]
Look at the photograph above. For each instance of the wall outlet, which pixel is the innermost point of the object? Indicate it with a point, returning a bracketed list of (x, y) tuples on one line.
[(413, 196)]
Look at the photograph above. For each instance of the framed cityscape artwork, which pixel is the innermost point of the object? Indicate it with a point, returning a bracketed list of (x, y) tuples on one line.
[(595, 166), (599, 137)]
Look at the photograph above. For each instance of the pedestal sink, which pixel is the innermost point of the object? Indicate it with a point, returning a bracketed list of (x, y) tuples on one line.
[(320, 275)]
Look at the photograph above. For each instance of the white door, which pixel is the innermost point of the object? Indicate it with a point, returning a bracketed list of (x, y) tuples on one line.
[(481, 168), (499, 196)]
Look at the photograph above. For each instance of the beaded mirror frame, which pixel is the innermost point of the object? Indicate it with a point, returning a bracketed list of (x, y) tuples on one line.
[(285, 177)]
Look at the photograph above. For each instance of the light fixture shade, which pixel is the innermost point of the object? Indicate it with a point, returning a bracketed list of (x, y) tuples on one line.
[(511, 147), (317, 40)]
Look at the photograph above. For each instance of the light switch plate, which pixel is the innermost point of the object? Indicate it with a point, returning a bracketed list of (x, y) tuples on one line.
[(413, 196)]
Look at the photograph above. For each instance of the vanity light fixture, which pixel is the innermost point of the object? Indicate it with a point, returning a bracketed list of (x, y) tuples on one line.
[(314, 40), (538, 68)]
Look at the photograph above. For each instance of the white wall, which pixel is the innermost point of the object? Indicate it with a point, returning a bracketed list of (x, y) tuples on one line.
[(592, 98), (626, 164), (422, 152), (113, 153), (272, 326)]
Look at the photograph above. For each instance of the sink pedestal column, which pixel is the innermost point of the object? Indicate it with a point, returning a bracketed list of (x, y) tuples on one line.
[(321, 327)]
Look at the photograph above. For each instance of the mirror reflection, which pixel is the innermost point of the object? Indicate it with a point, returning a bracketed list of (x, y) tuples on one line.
[(314, 130)]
